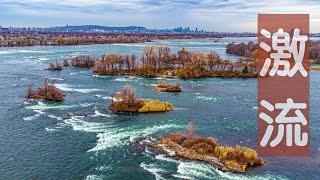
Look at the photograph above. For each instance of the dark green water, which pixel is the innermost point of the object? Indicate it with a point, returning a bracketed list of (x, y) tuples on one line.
[(39, 140)]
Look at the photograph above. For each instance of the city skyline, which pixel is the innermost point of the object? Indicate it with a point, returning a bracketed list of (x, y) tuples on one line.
[(210, 15)]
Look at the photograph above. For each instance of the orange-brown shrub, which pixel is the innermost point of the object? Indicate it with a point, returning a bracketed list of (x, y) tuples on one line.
[(46, 92), (126, 101), (237, 157)]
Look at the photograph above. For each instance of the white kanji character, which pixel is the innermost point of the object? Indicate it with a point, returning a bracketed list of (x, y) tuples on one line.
[(285, 50), (284, 123)]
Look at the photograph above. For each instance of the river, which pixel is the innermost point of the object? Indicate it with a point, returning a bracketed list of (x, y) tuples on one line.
[(39, 140)]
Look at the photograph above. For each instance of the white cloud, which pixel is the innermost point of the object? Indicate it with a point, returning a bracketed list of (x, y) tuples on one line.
[(221, 15)]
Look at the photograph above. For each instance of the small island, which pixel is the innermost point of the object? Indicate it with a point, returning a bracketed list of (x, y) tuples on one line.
[(127, 101), (48, 91), (194, 147), (163, 87), (57, 66)]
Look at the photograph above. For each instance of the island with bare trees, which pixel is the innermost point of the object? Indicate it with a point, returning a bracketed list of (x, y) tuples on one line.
[(48, 91), (160, 62), (126, 101), (83, 61)]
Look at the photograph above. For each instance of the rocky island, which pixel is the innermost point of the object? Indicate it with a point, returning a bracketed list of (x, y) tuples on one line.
[(194, 147)]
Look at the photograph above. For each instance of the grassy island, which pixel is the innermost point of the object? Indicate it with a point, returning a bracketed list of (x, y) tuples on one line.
[(163, 87), (127, 101), (155, 106), (160, 62), (206, 149), (316, 68), (48, 91)]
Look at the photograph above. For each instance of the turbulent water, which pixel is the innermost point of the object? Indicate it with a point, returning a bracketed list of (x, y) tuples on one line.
[(42, 140)]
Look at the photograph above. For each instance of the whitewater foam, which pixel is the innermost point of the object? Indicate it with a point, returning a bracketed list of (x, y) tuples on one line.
[(43, 59), (98, 113), (20, 51), (104, 97), (58, 79), (126, 78), (99, 76), (78, 124), (198, 170), (206, 98), (35, 116), (54, 117), (103, 168), (41, 106), (69, 88), (95, 177), (51, 130), (115, 137), (163, 157), (78, 72), (153, 169), (29, 118)]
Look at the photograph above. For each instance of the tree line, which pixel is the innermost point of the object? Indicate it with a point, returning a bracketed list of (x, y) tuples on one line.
[(246, 50), (157, 61)]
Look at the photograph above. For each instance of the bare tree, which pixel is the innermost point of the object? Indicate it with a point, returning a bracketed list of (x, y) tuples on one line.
[(29, 86), (191, 129)]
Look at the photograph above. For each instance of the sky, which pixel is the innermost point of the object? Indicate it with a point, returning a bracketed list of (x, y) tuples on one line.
[(210, 15)]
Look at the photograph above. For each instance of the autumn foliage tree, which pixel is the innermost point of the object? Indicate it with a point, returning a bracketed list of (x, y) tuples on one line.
[(241, 49), (158, 61)]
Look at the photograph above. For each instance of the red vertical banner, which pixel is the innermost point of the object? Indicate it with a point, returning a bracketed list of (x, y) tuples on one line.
[(283, 84)]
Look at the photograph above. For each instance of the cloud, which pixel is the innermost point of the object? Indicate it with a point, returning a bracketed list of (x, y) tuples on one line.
[(218, 15)]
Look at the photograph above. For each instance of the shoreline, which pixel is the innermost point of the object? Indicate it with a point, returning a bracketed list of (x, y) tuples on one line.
[(149, 40), (178, 77)]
